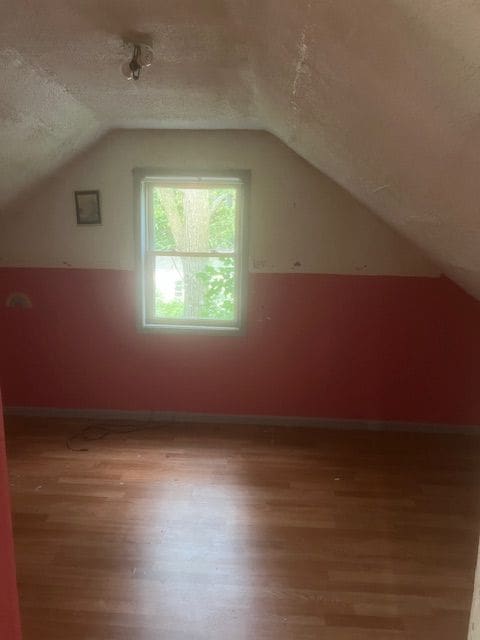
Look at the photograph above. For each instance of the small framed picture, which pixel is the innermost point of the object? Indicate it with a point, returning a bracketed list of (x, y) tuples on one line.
[(87, 204)]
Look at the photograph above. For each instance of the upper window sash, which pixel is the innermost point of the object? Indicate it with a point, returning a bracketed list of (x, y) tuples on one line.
[(190, 183)]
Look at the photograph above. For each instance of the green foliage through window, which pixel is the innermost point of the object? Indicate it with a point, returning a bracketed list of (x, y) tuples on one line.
[(219, 298)]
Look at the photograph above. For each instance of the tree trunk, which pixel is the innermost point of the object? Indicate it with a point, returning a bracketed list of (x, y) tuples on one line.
[(197, 218), (190, 232)]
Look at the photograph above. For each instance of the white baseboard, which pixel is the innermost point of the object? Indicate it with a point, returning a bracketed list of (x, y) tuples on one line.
[(163, 417)]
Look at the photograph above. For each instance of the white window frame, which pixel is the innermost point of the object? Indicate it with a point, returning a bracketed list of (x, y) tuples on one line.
[(144, 180)]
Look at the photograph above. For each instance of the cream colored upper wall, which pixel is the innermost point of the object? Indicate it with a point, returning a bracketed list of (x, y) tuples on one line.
[(299, 220)]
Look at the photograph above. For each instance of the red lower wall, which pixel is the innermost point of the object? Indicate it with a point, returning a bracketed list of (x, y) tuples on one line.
[(384, 348), (9, 614)]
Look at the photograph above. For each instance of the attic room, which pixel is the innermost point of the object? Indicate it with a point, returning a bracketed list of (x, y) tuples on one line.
[(239, 320)]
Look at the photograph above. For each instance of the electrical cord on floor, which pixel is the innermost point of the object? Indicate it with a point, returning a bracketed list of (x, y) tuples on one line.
[(100, 431)]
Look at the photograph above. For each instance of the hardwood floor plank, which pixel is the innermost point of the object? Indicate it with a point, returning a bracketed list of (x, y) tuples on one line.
[(207, 532)]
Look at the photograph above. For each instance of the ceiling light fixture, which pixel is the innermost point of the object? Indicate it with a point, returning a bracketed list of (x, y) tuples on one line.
[(142, 57)]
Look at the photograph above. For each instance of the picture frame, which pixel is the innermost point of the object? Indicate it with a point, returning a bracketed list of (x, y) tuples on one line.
[(87, 206)]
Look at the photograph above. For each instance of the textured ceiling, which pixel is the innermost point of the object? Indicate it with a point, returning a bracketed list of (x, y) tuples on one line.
[(381, 95)]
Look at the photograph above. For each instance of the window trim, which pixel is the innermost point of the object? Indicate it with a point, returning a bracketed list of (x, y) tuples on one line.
[(141, 177)]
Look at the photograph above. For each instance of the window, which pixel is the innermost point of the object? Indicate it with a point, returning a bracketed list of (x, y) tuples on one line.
[(191, 250)]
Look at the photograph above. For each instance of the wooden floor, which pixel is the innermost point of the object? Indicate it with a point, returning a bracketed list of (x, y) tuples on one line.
[(235, 533)]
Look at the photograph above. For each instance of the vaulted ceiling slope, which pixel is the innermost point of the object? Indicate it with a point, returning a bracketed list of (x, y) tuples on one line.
[(381, 95)]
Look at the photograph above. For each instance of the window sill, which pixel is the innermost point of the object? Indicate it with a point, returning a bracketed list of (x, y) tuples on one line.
[(192, 329)]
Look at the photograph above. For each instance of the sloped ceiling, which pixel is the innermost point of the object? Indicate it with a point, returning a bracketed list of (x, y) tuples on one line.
[(381, 95)]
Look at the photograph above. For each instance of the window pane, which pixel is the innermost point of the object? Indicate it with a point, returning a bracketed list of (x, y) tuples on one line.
[(197, 220), (194, 288)]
